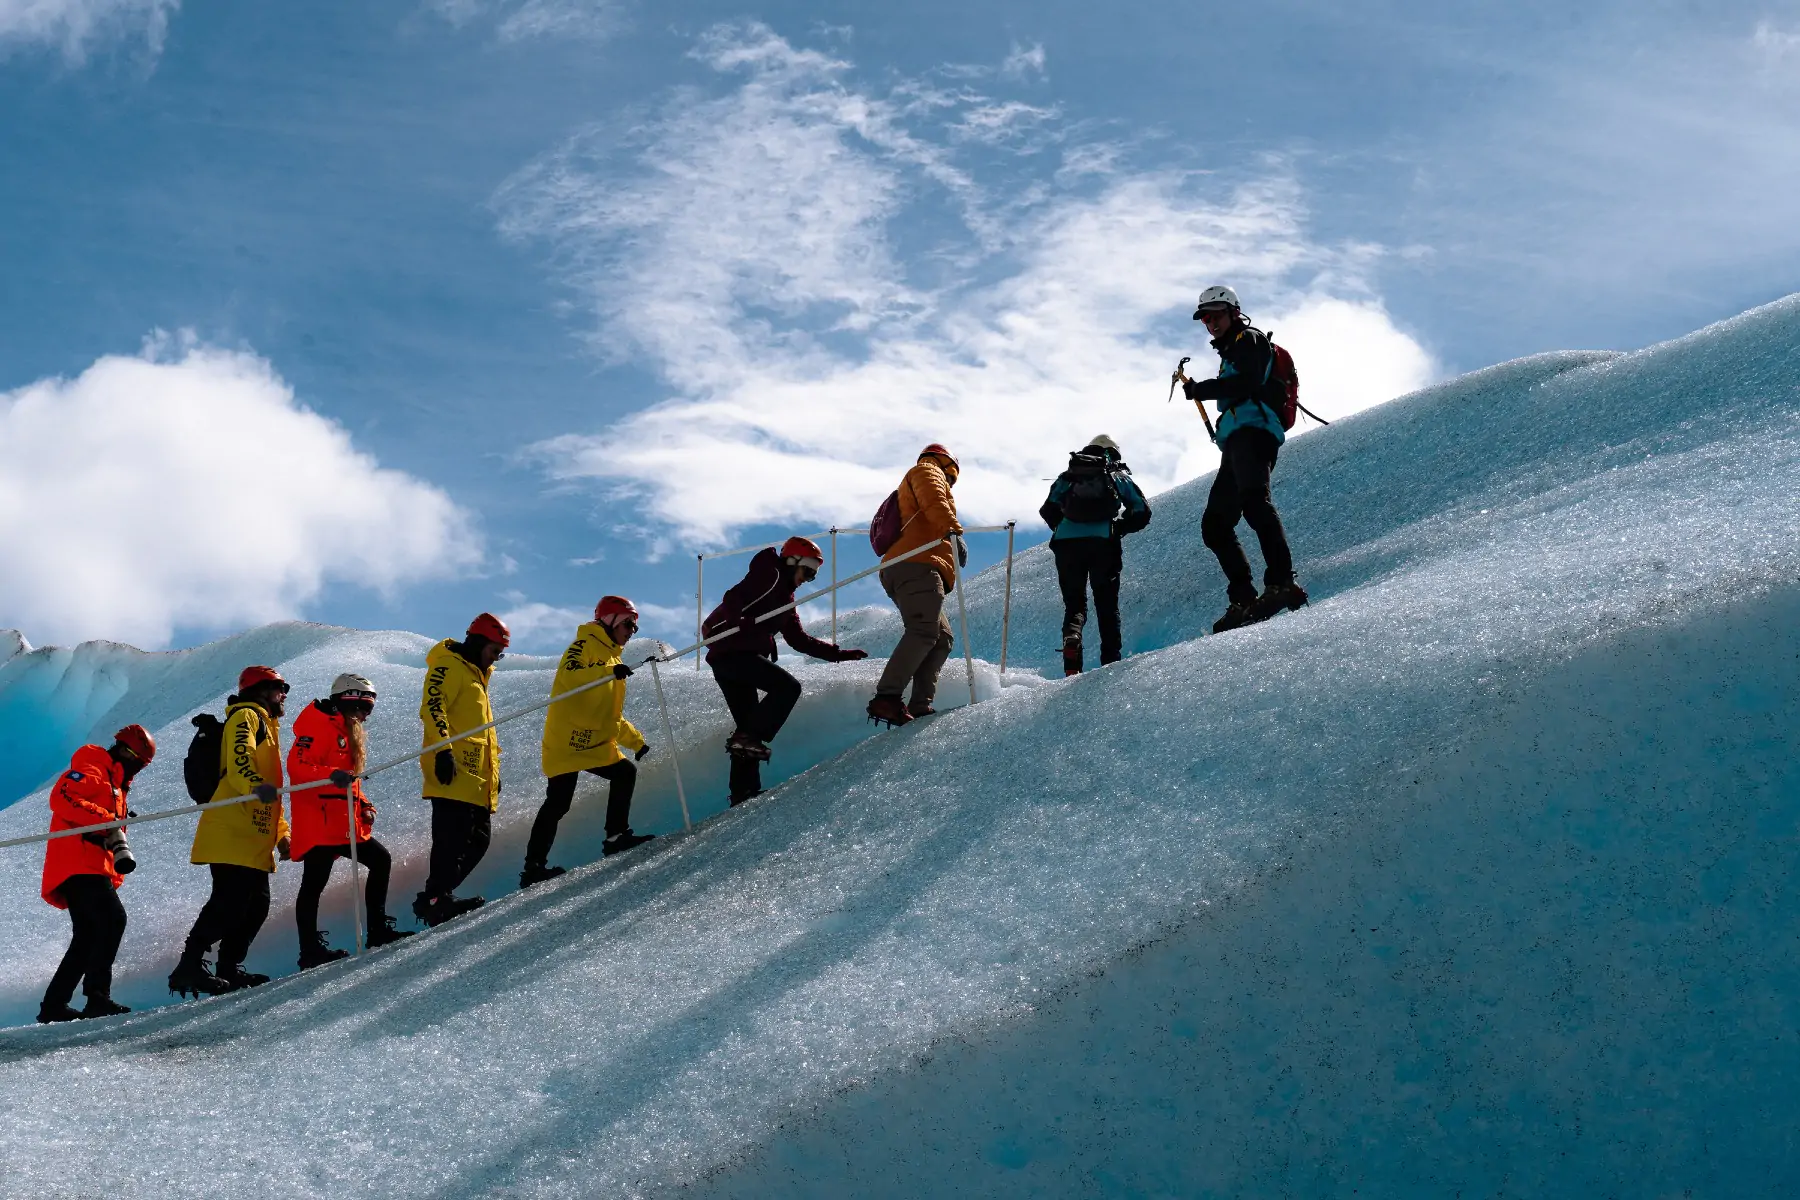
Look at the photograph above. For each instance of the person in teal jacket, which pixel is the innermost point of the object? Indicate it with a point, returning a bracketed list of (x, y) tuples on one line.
[(1249, 437), (1092, 506)]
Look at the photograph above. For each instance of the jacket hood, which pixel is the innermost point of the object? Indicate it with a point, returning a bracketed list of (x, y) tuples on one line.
[(445, 653)]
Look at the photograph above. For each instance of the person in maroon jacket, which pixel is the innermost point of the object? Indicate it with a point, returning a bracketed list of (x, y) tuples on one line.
[(744, 663)]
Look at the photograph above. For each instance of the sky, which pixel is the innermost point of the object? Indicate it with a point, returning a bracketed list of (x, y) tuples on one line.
[(385, 313)]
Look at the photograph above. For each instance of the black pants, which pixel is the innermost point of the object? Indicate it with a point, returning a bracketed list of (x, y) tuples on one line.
[(459, 839), (560, 793), (99, 921), (1241, 489), (741, 677), (231, 916), (1085, 562), (317, 873)]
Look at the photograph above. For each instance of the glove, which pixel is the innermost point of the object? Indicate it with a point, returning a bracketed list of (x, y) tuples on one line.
[(342, 779), (444, 767), (366, 812), (622, 672), (852, 655), (962, 552), (266, 792), (643, 750), (499, 786), (132, 813), (283, 850)]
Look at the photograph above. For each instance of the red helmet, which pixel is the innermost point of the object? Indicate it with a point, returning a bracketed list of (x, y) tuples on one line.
[(488, 626), (798, 549), (251, 676), (137, 739), (937, 448), (611, 608)]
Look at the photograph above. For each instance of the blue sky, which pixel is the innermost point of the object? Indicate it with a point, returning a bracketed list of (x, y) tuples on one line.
[(384, 313)]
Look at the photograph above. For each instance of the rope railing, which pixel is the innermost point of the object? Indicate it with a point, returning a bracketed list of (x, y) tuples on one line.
[(515, 714)]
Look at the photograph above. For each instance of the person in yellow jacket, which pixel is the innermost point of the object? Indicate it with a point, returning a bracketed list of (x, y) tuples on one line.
[(918, 587), (239, 842), (461, 780), (589, 732)]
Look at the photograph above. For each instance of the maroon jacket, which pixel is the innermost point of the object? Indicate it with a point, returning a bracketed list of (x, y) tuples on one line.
[(765, 588)]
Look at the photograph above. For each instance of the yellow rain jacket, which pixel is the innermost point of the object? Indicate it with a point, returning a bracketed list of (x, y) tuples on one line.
[(244, 835), (587, 730), (456, 698)]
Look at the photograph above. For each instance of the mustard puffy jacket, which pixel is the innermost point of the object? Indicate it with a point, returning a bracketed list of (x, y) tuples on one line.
[(456, 699), (928, 514), (587, 730), (244, 835)]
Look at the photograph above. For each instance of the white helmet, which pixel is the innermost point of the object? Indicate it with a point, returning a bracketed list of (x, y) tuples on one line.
[(1214, 296)]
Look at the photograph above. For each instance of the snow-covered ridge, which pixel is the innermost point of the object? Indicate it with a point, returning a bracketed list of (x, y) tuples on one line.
[(638, 1024)]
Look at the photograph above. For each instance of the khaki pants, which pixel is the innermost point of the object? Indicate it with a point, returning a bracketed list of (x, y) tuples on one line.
[(917, 590)]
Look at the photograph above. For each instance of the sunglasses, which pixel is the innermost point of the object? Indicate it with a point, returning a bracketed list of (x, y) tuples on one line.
[(347, 703)]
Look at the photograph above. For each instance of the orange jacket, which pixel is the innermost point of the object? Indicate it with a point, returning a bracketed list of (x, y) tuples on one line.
[(92, 791), (927, 514), (321, 746)]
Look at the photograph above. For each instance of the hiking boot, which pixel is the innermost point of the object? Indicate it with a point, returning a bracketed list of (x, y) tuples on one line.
[(742, 745), (383, 933), (1071, 658), (233, 976), (1241, 612), (1277, 596), (618, 843), (535, 873), (888, 709), (438, 909), (316, 952), (55, 1014), (193, 979), (927, 711), (737, 800), (99, 1006)]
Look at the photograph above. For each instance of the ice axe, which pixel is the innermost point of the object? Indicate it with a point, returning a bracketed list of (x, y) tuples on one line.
[(1178, 377)]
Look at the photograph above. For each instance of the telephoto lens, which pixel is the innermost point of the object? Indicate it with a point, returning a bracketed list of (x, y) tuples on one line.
[(123, 862)]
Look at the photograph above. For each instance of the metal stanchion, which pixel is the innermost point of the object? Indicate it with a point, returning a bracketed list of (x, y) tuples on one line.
[(1006, 612), (669, 737), (962, 609)]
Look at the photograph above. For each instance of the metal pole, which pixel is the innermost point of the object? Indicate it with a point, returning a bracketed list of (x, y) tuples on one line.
[(699, 604), (1006, 613), (356, 917), (962, 608), (834, 585), (669, 736)]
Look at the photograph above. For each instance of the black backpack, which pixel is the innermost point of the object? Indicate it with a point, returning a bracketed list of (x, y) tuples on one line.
[(1093, 495), (202, 766)]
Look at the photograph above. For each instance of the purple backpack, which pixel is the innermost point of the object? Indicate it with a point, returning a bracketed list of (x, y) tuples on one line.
[(885, 526)]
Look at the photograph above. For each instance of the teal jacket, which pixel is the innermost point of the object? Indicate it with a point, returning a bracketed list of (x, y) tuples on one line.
[(1245, 362), (1135, 516)]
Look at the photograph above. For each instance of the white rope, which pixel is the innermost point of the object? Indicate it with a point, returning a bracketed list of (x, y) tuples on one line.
[(445, 743)]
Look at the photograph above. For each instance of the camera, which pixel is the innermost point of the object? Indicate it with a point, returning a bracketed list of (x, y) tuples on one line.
[(123, 862)]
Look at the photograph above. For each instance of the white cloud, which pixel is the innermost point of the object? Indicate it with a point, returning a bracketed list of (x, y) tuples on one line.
[(1775, 44), (187, 487), (77, 26), (1024, 62), (747, 245), (516, 20)]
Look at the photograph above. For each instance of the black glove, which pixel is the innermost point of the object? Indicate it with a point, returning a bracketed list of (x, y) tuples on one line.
[(132, 813), (266, 792), (621, 671), (445, 767), (962, 552), (643, 750), (852, 655), (342, 779), (97, 839)]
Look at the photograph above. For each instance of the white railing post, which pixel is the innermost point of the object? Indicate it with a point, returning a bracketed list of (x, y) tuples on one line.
[(699, 604), (669, 736), (1006, 612), (834, 585), (962, 608), (356, 913)]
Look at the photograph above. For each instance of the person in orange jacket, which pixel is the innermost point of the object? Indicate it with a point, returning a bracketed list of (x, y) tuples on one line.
[(330, 743), (918, 587), (82, 872), (239, 842)]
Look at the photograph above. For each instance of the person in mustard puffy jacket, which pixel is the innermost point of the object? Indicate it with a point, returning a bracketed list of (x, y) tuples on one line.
[(239, 842), (589, 732), (330, 742), (918, 587), (461, 780), (82, 872)]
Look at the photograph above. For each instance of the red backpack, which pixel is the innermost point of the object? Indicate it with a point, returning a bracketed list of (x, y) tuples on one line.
[(885, 527), (1281, 372)]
